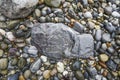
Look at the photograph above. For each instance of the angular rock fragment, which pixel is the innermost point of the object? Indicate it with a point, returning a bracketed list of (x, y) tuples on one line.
[(58, 41), (17, 8)]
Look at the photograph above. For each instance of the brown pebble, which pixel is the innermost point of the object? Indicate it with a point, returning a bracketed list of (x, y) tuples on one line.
[(21, 77), (103, 64), (105, 72)]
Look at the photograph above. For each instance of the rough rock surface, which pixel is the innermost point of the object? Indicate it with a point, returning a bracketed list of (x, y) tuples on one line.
[(17, 8), (58, 41)]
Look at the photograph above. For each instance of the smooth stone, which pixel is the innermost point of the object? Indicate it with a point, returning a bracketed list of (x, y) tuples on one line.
[(32, 51), (2, 18), (3, 25), (53, 72), (21, 63), (46, 74), (14, 61), (43, 58), (78, 27), (111, 50), (35, 66), (42, 19), (92, 71), (53, 3), (14, 76), (91, 25), (1, 52), (4, 46), (98, 35), (79, 75), (65, 73), (104, 46), (11, 24), (62, 42), (21, 10), (109, 27), (37, 12), (98, 45), (27, 74), (2, 32), (60, 67), (12, 51), (106, 37), (3, 63), (98, 77), (21, 77), (10, 36), (116, 14), (85, 2), (103, 57), (112, 65), (20, 45), (108, 10), (76, 65), (87, 15)]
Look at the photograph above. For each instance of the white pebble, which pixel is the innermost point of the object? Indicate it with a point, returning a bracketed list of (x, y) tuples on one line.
[(43, 58), (10, 36), (65, 73), (60, 67), (115, 14)]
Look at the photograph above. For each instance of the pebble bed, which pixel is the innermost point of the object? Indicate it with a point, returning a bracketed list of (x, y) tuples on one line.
[(19, 60)]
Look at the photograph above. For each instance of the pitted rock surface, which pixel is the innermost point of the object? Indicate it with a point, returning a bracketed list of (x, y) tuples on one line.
[(58, 41), (17, 8)]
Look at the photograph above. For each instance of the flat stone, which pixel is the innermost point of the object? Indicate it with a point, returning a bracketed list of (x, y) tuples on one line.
[(17, 8), (3, 63), (60, 67), (57, 41), (35, 66), (53, 3), (103, 57)]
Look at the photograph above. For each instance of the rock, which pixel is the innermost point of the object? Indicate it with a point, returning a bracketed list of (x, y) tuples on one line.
[(10, 36), (109, 27), (76, 65), (3, 63), (3, 25), (53, 3), (103, 57), (53, 72), (37, 12), (98, 35), (14, 76), (46, 74), (22, 62), (33, 51), (57, 41), (78, 27), (2, 32), (91, 25), (43, 58), (88, 15), (106, 37), (65, 73), (27, 74), (21, 77), (60, 67), (1, 52), (92, 71), (116, 14), (35, 66), (112, 65), (17, 8), (79, 75), (4, 46), (108, 10)]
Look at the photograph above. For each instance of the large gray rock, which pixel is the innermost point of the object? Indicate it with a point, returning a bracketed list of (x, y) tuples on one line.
[(59, 41), (17, 8)]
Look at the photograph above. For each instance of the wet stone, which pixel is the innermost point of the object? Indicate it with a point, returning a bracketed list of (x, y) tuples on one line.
[(3, 63), (79, 75), (76, 65), (14, 76), (112, 65)]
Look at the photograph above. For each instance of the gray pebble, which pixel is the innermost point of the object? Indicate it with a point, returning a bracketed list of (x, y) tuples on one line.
[(78, 27), (14, 76), (32, 51), (35, 66), (76, 65), (112, 65), (79, 75), (106, 37), (98, 35)]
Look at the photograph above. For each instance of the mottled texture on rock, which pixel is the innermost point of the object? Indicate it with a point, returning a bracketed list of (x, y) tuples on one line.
[(17, 8), (60, 41)]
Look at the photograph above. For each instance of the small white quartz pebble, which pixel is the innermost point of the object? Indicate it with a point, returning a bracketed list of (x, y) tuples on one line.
[(10, 36), (60, 67), (115, 14), (43, 58)]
